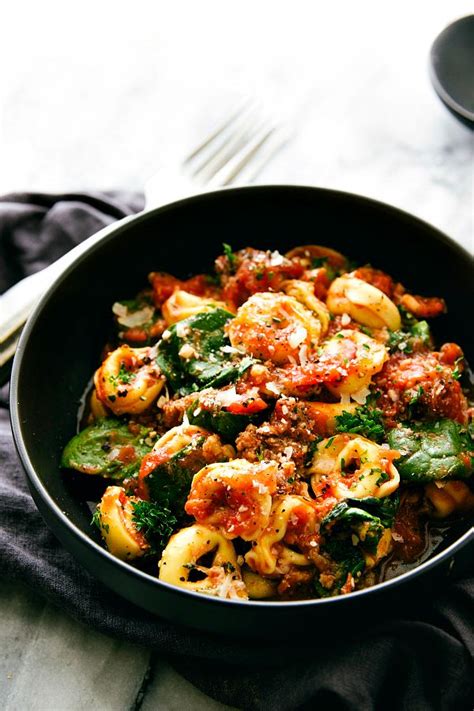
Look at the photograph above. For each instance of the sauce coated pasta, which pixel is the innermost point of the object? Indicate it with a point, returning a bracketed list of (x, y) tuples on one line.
[(283, 428)]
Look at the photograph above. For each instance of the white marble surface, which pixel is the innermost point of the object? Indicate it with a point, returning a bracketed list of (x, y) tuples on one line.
[(100, 94)]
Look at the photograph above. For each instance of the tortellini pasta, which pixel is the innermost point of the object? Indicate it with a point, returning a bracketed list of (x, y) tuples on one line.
[(303, 291), (129, 380), (115, 516), (181, 436), (235, 497), (311, 253), (363, 302), (274, 326), (181, 561), (357, 358), (447, 497), (269, 554), (181, 304), (353, 467)]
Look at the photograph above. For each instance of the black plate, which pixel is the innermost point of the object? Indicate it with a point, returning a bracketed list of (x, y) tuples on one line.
[(61, 344), (452, 68)]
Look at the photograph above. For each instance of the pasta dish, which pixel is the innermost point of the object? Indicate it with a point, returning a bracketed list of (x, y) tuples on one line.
[(282, 428)]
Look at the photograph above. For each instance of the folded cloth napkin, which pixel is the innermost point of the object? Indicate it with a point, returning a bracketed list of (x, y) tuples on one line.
[(416, 660)]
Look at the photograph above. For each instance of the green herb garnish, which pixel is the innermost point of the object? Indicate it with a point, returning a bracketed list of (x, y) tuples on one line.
[(230, 255), (367, 421), (155, 521)]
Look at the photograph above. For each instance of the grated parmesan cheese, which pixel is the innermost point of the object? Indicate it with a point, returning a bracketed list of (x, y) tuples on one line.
[(132, 319), (182, 329), (303, 353), (229, 349), (297, 336), (226, 397), (187, 352), (361, 395), (276, 259), (273, 388)]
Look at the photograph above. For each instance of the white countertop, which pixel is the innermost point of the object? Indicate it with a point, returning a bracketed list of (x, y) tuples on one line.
[(99, 95)]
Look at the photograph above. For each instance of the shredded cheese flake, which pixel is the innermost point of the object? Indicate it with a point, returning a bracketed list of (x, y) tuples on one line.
[(361, 395), (226, 397), (297, 337), (273, 388), (132, 319), (187, 352)]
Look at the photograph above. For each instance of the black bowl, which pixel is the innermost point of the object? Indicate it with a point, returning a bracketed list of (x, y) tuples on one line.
[(451, 65), (61, 344)]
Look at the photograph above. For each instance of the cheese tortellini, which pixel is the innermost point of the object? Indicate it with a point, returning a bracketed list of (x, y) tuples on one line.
[(303, 291), (235, 497), (357, 358), (269, 554), (353, 467), (275, 327), (182, 561), (363, 302), (116, 525), (181, 304), (129, 380)]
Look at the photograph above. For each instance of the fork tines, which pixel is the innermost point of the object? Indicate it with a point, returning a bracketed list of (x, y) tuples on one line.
[(248, 139)]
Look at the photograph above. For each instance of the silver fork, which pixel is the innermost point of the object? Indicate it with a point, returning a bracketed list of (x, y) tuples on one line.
[(234, 153)]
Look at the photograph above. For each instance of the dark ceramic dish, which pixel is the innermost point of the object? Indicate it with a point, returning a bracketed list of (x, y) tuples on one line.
[(61, 344), (452, 68)]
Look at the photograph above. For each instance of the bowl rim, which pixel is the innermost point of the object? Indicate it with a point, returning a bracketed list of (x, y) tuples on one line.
[(443, 94), (36, 485)]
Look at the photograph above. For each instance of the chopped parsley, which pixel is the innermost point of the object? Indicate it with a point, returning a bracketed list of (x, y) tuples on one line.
[(457, 372), (155, 521), (318, 262), (366, 421), (412, 334), (124, 376), (97, 521), (230, 255), (383, 476), (312, 447), (416, 397)]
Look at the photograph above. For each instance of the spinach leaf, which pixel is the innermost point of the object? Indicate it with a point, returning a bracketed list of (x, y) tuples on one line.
[(203, 363), (385, 509), (432, 451), (344, 518), (169, 483), (348, 559), (412, 334), (225, 424), (107, 448)]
